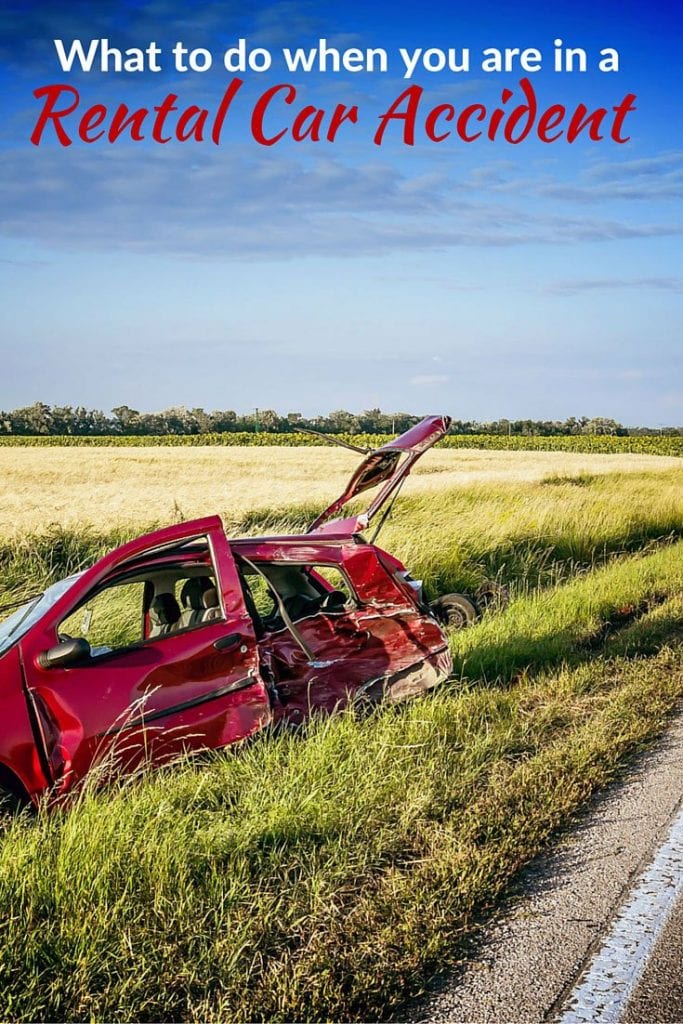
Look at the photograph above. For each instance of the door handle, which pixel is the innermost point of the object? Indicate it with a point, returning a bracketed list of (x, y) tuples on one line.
[(224, 643)]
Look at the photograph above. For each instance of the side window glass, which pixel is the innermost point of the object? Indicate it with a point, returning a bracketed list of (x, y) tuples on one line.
[(109, 620)]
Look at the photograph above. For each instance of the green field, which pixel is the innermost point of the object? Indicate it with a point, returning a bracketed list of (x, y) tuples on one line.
[(604, 444), (327, 875)]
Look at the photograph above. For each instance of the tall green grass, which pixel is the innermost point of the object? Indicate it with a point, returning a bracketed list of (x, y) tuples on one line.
[(543, 629), (532, 534), (323, 876), (527, 534)]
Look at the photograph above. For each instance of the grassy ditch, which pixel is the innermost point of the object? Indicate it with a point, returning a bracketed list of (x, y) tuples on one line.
[(535, 533), (323, 876), (545, 628), (529, 534)]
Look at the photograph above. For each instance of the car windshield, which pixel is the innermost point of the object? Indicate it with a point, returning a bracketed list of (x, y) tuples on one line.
[(18, 623)]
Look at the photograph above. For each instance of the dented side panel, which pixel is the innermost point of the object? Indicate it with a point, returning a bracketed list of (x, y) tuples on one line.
[(363, 650)]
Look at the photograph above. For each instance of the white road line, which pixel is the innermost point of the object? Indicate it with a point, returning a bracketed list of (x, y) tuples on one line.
[(603, 993)]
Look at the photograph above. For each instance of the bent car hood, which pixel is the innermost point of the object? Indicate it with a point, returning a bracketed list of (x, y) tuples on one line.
[(388, 465)]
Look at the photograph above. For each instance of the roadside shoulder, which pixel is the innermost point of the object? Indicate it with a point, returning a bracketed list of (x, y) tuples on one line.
[(528, 959)]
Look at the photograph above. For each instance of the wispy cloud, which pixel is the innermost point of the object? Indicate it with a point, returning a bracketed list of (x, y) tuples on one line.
[(656, 178), (30, 27), (24, 263), (234, 203), (610, 170), (576, 286), (666, 186), (29, 22)]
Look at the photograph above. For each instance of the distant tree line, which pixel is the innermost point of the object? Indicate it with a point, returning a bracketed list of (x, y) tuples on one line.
[(42, 419)]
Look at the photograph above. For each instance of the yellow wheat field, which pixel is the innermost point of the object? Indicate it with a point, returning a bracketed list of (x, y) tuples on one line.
[(107, 487)]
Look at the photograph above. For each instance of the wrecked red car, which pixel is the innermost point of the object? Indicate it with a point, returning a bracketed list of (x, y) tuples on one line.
[(184, 639)]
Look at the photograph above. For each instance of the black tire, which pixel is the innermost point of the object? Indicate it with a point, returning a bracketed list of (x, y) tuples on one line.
[(454, 610)]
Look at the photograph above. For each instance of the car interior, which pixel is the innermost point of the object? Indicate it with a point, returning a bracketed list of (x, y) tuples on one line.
[(173, 598), (301, 593), (196, 602), (144, 605)]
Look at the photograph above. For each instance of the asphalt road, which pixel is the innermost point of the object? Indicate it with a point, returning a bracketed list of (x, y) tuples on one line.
[(659, 994), (530, 960)]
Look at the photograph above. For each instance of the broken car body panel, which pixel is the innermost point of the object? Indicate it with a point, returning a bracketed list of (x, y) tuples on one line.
[(364, 643), (388, 465), (184, 640)]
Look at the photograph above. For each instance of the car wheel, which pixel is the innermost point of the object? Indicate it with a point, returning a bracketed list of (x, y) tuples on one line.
[(454, 610)]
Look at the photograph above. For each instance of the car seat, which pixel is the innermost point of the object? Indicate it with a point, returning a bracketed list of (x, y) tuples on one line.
[(212, 608), (192, 601), (164, 615)]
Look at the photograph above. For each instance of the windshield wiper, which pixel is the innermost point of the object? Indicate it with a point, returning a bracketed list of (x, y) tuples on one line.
[(19, 602), (32, 602)]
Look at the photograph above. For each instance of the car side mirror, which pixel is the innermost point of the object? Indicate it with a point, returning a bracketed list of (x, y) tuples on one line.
[(68, 652)]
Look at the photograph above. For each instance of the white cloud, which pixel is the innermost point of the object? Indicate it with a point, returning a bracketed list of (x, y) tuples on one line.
[(237, 203)]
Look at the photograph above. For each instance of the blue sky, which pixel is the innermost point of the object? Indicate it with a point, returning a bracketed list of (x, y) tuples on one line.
[(483, 280)]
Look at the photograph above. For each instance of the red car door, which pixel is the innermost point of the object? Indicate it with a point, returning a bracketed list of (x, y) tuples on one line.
[(168, 693), (383, 641), (376, 639)]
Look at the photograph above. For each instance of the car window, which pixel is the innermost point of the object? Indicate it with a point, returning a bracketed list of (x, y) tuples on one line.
[(163, 601), (24, 616), (262, 596), (197, 599), (302, 590), (336, 579), (110, 619)]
